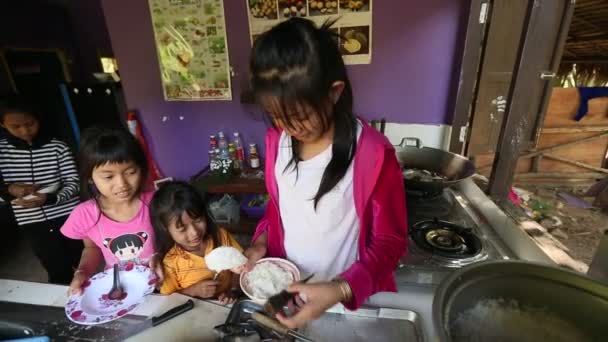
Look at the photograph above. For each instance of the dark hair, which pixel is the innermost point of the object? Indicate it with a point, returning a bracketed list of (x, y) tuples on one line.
[(125, 241), (171, 201), (101, 145), (298, 63), (17, 104)]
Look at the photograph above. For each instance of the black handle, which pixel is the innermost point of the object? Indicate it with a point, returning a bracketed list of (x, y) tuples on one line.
[(116, 279), (176, 311), (382, 125)]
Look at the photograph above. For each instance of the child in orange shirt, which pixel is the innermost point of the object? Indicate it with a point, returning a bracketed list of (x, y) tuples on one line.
[(184, 236)]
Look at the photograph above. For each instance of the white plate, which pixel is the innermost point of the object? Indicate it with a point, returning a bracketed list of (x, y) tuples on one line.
[(49, 189), (93, 306)]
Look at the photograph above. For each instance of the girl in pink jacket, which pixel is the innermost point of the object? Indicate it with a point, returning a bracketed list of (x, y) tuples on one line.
[(337, 202)]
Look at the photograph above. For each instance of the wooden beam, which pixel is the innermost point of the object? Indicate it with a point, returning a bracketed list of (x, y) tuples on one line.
[(568, 175), (536, 163), (588, 39), (585, 60), (555, 63), (568, 52), (540, 20), (557, 182), (576, 163), (509, 144), (574, 129), (570, 143), (588, 23), (468, 76)]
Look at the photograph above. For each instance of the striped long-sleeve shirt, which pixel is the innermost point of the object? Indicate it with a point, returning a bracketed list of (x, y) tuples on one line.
[(45, 162)]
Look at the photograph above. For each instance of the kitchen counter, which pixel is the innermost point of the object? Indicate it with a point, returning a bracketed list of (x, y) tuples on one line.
[(197, 324), (414, 300)]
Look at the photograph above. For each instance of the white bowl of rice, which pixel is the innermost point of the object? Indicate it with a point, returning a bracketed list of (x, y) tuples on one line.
[(268, 277)]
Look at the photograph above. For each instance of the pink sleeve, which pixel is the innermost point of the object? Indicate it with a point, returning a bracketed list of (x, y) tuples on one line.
[(262, 226), (76, 226), (386, 240)]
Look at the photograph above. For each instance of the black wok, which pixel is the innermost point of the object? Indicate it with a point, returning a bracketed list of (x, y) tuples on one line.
[(411, 155)]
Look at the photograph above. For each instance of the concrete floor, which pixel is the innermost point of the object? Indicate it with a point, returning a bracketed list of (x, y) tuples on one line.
[(18, 262)]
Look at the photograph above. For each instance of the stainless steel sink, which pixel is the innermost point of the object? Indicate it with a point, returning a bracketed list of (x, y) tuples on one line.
[(366, 325), (19, 320)]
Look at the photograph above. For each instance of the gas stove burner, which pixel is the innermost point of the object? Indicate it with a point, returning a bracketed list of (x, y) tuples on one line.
[(446, 239)]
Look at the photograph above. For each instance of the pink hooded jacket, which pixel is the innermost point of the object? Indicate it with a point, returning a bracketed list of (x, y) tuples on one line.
[(380, 204)]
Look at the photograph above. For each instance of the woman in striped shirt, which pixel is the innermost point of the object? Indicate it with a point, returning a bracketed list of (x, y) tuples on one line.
[(40, 180)]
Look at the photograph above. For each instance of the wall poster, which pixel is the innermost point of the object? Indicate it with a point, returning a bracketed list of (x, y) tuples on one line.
[(192, 49), (354, 21)]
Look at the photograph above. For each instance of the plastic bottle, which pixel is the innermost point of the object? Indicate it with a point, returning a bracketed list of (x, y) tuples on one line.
[(212, 160), (212, 142), (236, 164), (238, 145), (222, 145)]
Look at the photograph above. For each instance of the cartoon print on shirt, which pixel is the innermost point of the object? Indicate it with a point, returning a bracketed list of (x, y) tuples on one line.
[(127, 247)]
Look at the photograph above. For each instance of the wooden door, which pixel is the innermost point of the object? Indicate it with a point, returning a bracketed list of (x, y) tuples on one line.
[(500, 57), (546, 28)]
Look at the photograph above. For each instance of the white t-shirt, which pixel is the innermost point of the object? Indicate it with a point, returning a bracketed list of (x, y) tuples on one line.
[(321, 241)]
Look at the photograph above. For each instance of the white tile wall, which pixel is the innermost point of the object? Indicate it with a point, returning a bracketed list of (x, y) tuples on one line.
[(436, 136)]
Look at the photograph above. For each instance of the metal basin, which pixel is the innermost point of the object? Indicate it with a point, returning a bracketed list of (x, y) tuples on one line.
[(528, 293), (366, 325), (363, 325)]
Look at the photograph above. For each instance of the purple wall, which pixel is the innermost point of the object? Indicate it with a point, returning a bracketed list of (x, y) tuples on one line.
[(409, 80)]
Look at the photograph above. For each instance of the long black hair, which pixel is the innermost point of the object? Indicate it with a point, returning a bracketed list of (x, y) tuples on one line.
[(298, 63), (170, 202), (101, 145)]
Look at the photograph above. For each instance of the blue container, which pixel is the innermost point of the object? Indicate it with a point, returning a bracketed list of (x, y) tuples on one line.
[(251, 209)]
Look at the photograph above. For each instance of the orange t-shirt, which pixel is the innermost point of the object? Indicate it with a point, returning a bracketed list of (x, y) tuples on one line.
[(184, 269)]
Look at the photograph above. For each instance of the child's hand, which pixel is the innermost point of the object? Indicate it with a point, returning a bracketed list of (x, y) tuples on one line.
[(76, 285), (228, 297), (20, 190), (157, 267), (36, 202), (253, 254), (206, 288)]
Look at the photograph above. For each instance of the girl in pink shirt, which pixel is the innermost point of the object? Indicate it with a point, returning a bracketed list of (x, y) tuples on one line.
[(337, 201), (114, 221)]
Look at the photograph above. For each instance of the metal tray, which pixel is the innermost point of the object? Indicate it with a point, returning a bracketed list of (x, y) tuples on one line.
[(367, 324)]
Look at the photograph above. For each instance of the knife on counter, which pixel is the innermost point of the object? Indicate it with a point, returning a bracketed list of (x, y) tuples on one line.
[(156, 320)]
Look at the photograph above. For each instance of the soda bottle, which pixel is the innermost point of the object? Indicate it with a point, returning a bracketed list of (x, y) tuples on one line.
[(238, 145)]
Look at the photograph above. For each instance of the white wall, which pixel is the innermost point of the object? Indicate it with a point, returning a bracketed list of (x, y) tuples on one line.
[(436, 136)]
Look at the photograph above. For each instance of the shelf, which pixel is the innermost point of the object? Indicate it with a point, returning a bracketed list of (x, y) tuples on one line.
[(213, 183), (245, 226), (239, 185)]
